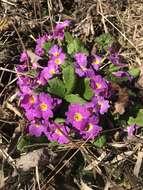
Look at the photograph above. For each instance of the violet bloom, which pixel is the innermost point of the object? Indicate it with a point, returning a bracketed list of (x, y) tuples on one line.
[(81, 63), (31, 113), (50, 71), (28, 101), (121, 74), (59, 133), (24, 57), (55, 51), (59, 30), (39, 50), (37, 128), (45, 106), (59, 59), (103, 104), (98, 84), (26, 84), (96, 62), (91, 129), (132, 130), (62, 25), (77, 115)]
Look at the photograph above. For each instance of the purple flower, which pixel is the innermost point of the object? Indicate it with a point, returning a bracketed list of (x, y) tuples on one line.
[(98, 84), (59, 59), (120, 74), (81, 63), (132, 130), (29, 100), (91, 129), (39, 50), (50, 71), (24, 57), (103, 104), (26, 84), (77, 115), (55, 51), (96, 62), (45, 106), (62, 25), (37, 128), (59, 133), (31, 113)]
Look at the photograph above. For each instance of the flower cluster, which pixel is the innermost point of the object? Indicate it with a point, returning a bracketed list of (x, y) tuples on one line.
[(48, 112)]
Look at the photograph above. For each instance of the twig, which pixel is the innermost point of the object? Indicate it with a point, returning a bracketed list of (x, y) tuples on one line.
[(8, 2)]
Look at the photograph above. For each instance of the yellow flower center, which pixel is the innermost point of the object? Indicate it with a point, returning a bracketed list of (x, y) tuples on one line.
[(43, 107), (89, 127), (37, 125), (56, 54), (58, 132), (96, 62), (31, 100), (78, 117), (58, 61), (52, 71), (98, 85)]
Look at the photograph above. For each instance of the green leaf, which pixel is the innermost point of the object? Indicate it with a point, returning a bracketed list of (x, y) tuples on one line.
[(68, 37), (47, 46), (113, 68), (135, 72), (56, 87), (88, 93), (59, 120), (100, 141), (69, 78), (137, 120), (104, 40), (76, 46), (22, 142), (74, 98)]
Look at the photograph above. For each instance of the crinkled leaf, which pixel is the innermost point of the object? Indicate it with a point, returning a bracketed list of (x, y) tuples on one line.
[(135, 72), (68, 37), (74, 98), (59, 120), (88, 93), (104, 40), (100, 141), (113, 68), (76, 46), (69, 78), (47, 46), (137, 120), (56, 87)]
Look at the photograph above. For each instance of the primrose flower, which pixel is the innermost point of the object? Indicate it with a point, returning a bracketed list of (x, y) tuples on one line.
[(58, 60), (28, 101), (59, 133), (77, 115), (91, 129), (50, 71), (62, 25), (81, 63), (24, 57), (102, 104), (98, 84), (96, 62), (37, 128), (132, 130), (55, 51), (121, 74), (39, 50), (26, 84), (45, 105)]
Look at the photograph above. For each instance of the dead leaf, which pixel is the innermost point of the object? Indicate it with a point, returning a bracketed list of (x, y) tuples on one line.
[(84, 186), (138, 163), (123, 99), (29, 160)]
